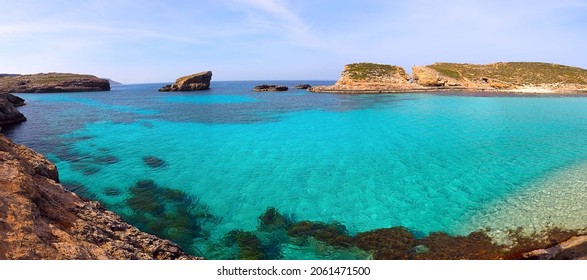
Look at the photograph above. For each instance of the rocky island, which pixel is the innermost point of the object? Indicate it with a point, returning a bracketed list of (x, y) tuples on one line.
[(194, 82), (52, 82), (506, 77), (40, 219), (370, 78)]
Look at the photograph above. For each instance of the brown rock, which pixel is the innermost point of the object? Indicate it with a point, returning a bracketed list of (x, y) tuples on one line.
[(370, 78), (39, 219), (198, 81), (428, 77), (573, 248)]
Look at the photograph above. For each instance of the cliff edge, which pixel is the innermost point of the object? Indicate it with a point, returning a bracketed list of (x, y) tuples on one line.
[(52, 82), (39, 219), (506, 77)]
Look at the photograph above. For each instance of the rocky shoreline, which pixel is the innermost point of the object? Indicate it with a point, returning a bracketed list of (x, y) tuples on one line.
[(503, 77), (40, 219)]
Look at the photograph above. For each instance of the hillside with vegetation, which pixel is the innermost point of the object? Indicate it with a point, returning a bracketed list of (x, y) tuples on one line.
[(507, 76), (369, 78), (52, 82)]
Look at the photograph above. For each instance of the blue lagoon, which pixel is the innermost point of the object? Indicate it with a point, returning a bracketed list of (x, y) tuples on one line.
[(427, 162)]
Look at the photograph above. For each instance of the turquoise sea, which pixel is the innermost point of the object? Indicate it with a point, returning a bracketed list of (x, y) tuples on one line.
[(199, 165)]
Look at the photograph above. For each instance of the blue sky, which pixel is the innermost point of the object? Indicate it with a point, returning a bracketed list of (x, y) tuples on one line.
[(158, 41)]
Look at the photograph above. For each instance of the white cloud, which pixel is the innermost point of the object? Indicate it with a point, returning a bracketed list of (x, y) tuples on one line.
[(277, 19)]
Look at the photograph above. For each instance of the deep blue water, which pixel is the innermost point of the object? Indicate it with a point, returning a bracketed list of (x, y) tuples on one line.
[(423, 161)]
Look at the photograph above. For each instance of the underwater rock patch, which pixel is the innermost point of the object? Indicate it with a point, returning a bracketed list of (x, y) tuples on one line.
[(334, 234), (154, 162), (169, 213), (273, 220), (107, 159)]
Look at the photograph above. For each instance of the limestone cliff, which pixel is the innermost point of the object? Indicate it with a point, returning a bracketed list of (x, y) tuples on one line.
[(531, 77), (39, 219), (52, 82), (508, 77), (8, 112), (198, 81), (370, 78)]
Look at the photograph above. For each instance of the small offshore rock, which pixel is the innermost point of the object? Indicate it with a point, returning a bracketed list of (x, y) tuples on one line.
[(303, 86), (262, 88)]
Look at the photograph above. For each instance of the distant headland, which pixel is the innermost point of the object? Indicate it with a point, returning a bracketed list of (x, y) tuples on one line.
[(52, 82), (507, 77), (41, 83)]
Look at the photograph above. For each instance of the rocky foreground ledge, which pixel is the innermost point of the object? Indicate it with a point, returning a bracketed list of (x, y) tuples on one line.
[(52, 82), (505, 77), (39, 219)]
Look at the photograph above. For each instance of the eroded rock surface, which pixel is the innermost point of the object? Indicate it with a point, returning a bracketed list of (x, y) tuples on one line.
[(370, 78), (194, 82), (503, 77), (39, 219), (522, 77)]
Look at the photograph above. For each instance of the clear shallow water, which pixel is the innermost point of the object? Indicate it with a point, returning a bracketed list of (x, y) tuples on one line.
[(425, 162)]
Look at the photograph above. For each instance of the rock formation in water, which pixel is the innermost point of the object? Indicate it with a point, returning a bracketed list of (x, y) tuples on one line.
[(8, 112), (39, 219), (52, 82), (261, 88), (370, 78), (198, 81), (508, 77), (303, 86)]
